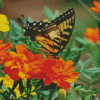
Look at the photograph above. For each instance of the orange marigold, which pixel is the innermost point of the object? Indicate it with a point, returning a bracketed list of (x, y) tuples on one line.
[(92, 35), (4, 47), (22, 63), (96, 8), (59, 72)]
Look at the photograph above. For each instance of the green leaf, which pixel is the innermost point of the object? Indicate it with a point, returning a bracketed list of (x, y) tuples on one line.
[(29, 19), (80, 98), (80, 63), (1, 83), (15, 28), (93, 70), (83, 41), (88, 97), (77, 87), (97, 98), (28, 84), (0, 4), (48, 13), (52, 90), (95, 82), (12, 92), (1, 66), (15, 85), (1, 36), (11, 33), (86, 64), (21, 87), (82, 80), (40, 82), (5, 34), (56, 13), (2, 97), (85, 75), (82, 89)]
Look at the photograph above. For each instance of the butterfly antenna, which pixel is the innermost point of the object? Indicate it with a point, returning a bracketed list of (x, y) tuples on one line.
[(20, 20), (25, 18)]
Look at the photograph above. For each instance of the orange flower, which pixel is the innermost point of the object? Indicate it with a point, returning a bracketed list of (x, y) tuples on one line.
[(21, 63), (4, 47), (96, 8), (92, 35), (59, 72)]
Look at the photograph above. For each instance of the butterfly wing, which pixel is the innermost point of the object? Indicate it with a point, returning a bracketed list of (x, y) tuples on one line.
[(48, 44), (59, 33)]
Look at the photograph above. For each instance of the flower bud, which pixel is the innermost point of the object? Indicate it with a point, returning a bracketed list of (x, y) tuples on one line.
[(61, 94)]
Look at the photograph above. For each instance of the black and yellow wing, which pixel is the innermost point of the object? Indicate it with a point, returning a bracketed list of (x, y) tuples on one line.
[(59, 32)]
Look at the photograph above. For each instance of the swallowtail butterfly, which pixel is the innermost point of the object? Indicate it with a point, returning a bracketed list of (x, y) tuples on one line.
[(52, 36)]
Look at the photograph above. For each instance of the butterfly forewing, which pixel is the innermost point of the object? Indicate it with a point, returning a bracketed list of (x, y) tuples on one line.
[(65, 25), (59, 32)]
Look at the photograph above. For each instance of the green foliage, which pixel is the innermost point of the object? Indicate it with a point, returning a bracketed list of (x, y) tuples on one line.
[(0, 4), (49, 14)]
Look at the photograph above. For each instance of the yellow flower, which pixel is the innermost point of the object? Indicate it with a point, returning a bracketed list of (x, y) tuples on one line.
[(1, 91), (46, 20), (4, 27), (8, 82), (33, 93)]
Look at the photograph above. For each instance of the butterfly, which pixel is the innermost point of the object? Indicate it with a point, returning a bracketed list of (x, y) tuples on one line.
[(53, 36)]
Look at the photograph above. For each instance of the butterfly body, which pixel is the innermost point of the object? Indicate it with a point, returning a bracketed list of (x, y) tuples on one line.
[(35, 28), (52, 36)]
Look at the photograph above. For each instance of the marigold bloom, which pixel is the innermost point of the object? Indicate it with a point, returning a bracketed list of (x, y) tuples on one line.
[(96, 8), (4, 47), (59, 72), (8, 82), (92, 35), (4, 23), (21, 63)]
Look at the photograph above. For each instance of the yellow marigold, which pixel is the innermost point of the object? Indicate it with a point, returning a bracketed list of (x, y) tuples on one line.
[(4, 23), (8, 82)]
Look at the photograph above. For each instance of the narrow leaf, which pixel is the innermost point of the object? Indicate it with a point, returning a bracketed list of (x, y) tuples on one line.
[(15, 85), (29, 19), (86, 64), (88, 97), (86, 76), (1, 83), (39, 83), (80, 98), (52, 91), (21, 87), (0, 4), (5, 34), (28, 84), (97, 98), (93, 70), (11, 33)]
